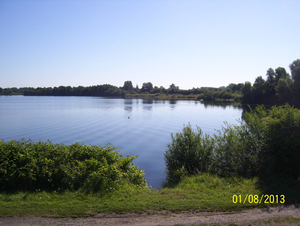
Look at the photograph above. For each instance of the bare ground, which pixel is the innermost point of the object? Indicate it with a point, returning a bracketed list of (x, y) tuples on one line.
[(264, 216)]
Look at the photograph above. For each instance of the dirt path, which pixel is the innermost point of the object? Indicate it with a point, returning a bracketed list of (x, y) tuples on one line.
[(166, 218)]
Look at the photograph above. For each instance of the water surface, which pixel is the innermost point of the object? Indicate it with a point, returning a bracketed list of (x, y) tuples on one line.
[(137, 127)]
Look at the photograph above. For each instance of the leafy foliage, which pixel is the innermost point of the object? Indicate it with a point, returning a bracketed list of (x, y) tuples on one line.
[(279, 132), (234, 153), (190, 152), (128, 85), (147, 87), (25, 165), (266, 143)]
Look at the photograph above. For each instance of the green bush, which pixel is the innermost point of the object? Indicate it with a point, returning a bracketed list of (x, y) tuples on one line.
[(279, 133), (266, 143), (25, 165), (235, 152), (190, 152)]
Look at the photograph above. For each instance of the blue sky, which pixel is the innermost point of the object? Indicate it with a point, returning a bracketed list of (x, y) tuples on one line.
[(191, 43)]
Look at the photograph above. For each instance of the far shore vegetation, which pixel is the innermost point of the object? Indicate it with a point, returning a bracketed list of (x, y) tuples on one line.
[(260, 156), (278, 88)]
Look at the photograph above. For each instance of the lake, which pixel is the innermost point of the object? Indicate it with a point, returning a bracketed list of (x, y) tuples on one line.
[(137, 127)]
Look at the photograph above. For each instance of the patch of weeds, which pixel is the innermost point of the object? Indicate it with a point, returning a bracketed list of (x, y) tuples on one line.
[(25, 197), (288, 219)]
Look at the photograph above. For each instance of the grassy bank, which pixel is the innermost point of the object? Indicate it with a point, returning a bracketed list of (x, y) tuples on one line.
[(197, 193), (254, 164)]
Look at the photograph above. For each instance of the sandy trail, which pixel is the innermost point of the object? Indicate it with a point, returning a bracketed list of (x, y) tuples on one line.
[(161, 218)]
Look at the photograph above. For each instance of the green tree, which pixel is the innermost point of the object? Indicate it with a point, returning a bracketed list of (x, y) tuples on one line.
[(128, 85), (247, 92), (258, 90), (271, 74), (280, 72), (259, 83), (235, 87), (295, 70), (147, 87), (247, 88), (173, 89), (284, 89), (172, 86), (162, 89), (270, 93), (7, 91)]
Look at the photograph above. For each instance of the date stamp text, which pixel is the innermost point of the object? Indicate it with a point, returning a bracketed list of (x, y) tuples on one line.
[(257, 199)]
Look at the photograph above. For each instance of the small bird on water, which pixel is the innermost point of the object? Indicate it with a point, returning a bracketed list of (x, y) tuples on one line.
[(128, 117)]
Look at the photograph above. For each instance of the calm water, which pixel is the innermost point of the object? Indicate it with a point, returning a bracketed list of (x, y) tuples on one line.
[(98, 121)]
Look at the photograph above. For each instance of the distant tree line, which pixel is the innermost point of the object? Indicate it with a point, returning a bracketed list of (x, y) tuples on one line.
[(278, 88), (233, 91), (99, 90)]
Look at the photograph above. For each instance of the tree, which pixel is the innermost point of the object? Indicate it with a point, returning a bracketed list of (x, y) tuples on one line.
[(280, 72), (284, 89), (7, 91), (147, 87), (127, 85), (247, 88), (271, 77), (258, 90), (295, 69), (270, 85), (173, 89), (247, 92), (172, 86), (259, 83), (235, 87)]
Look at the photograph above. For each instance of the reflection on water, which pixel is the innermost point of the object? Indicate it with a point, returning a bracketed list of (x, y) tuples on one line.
[(147, 104), (221, 104), (172, 104), (128, 105), (97, 121)]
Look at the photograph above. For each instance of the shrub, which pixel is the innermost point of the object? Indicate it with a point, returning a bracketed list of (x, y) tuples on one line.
[(266, 143), (234, 153), (25, 165), (190, 152), (279, 133)]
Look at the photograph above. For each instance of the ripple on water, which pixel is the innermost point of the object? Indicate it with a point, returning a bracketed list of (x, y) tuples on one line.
[(97, 121)]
